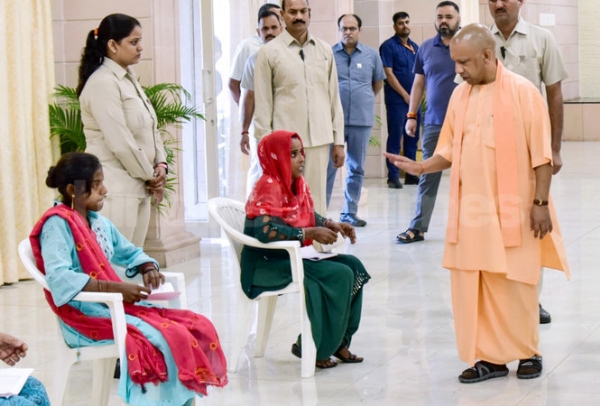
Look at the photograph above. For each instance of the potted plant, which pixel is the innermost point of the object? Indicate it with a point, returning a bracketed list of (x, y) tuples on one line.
[(170, 102)]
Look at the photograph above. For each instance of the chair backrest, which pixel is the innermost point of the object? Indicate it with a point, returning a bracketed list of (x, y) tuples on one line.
[(26, 254), (231, 215)]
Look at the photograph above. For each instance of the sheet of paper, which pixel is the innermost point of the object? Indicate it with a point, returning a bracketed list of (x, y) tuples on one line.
[(309, 252), (12, 380), (164, 292)]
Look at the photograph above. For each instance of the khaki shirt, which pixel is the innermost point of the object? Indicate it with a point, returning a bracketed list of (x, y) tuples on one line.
[(296, 89), (531, 52), (120, 128)]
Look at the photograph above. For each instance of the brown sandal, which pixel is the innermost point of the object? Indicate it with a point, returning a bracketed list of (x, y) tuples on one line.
[(326, 363), (322, 363), (350, 359)]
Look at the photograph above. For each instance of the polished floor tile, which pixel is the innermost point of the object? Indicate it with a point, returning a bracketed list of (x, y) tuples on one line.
[(406, 334)]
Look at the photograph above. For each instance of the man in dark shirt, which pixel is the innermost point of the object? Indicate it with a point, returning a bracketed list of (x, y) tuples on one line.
[(434, 71), (398, 55)]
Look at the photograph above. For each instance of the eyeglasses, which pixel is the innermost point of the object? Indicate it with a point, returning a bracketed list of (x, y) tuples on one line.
[(351, 29)]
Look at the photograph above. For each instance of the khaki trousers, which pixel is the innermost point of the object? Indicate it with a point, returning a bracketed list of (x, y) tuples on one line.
[(131, 216), (315, 173)]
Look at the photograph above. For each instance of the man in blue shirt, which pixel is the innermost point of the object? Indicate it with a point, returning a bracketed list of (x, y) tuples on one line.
[(434, 71), (360, 78), (398, 55)]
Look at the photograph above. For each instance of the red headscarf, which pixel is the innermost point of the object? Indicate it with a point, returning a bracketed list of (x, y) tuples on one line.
[(273, 194), (192, 337)]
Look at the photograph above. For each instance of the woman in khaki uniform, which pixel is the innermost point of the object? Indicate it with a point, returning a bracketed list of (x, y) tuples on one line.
[(120, 124)]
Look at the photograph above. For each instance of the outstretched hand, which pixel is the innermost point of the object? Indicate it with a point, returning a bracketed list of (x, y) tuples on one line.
[(11, 349), (404, 163)]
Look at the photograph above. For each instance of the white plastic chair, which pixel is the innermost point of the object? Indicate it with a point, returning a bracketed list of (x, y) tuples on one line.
[(104, 356), (230, 214)]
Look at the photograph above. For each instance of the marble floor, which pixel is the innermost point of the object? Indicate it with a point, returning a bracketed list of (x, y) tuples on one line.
[(406, 334)]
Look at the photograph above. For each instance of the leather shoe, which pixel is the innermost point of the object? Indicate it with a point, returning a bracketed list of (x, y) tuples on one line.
[(411, 180), (353, 220), (545, 317), (394, 184)]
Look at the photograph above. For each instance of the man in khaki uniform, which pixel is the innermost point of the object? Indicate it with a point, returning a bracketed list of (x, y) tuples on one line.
[(296, 89)]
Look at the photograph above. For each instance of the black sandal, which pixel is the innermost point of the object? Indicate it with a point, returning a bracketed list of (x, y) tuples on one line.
[(296, 350), (530, 368), (406, 238), (482, 371)]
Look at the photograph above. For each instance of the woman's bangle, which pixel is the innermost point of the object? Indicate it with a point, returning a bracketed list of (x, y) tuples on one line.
[(245, 132), (411, 115), (147, 267)]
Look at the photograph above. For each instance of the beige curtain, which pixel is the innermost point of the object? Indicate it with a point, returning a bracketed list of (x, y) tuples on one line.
[(26, 80)]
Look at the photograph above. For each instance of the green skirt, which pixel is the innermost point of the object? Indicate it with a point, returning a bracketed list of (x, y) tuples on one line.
[(333, 290)]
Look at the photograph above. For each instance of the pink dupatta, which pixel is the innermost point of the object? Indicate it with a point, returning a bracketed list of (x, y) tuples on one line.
[(192, 338)]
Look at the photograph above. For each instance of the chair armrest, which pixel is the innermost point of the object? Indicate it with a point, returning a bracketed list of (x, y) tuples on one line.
[(114, 301), (275, 245), (292, 248)]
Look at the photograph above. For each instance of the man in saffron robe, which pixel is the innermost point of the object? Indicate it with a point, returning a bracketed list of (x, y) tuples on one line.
[(501, 224)]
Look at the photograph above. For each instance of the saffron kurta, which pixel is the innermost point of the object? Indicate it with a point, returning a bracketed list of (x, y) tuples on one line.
[(484, 306)]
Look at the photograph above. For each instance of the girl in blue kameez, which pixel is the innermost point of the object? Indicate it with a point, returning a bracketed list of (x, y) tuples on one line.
[(76, 248)]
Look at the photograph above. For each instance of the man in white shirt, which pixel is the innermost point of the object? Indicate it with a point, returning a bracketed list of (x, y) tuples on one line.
[(269, 27), (296, 88), (246, 48)]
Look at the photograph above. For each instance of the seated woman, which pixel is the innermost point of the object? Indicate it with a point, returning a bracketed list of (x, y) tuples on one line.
[(33, 392), (171, 354), (280, 208)]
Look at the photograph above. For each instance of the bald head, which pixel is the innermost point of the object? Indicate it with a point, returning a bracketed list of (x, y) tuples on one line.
[(477, 36), (473, 51)]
